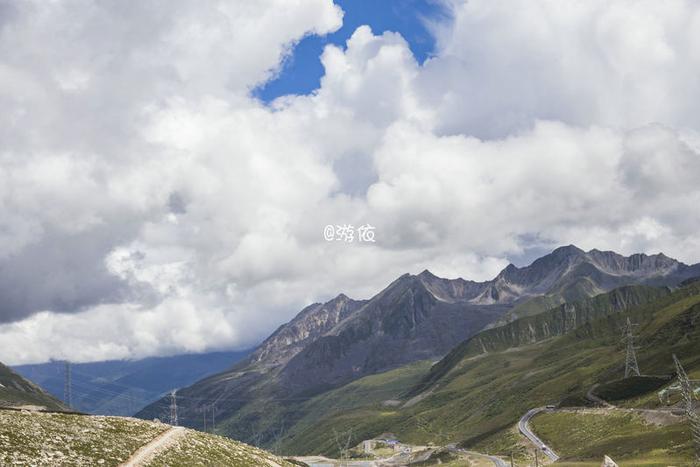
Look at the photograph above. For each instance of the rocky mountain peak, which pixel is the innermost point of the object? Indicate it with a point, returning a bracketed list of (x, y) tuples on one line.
[(639, 263), (426, 274), (567, 251)]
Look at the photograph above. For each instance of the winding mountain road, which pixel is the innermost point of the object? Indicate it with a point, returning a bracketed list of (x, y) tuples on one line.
[(524, 427)]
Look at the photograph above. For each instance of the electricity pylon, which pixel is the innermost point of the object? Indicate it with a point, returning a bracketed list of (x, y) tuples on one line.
[(173, 407), (693, 417), (67, 385), (631, 366)]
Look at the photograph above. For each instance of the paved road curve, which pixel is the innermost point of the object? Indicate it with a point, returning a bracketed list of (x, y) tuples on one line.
[(498, 462), (524, 427)]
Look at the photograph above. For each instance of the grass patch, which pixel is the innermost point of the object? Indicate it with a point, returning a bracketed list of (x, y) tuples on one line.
[(588, 435)]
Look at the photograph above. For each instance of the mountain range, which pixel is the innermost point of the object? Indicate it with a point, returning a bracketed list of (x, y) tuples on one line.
[(415, 318), (122, 387), (476, 394)]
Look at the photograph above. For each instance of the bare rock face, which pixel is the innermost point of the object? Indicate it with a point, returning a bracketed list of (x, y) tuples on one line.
[(607, 462), (311, 323)]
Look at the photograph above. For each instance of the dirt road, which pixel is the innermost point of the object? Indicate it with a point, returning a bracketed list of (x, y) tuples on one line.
[(148, 451)]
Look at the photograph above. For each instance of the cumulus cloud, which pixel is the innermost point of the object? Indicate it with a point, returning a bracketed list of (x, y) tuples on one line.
[(151, 206), (620, 64)]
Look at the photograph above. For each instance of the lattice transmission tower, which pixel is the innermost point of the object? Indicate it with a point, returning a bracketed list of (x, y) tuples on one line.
[(173, 407), (631, 365), (688, 396)]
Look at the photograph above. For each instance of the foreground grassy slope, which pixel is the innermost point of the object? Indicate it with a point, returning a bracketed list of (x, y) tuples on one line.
[(481, 395), (16, 391), (202, 449), (50, 439), (58, 439)]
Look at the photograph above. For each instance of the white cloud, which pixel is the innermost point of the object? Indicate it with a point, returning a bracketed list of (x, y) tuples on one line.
[(621, 64), (151, 206)]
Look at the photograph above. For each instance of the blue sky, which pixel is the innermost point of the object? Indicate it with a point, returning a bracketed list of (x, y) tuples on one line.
[(302, 71)]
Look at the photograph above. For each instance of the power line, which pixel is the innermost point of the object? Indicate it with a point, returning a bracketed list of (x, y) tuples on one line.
[(631, 365), (204, 417)]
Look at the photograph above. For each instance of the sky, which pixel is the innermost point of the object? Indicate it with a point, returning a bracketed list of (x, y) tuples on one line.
[(168, 169), (301, 71)]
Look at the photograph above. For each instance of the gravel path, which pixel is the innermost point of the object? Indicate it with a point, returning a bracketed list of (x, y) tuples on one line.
[(147, 452)]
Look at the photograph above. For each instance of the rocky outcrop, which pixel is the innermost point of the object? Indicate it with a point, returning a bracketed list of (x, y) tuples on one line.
[(310, 324)]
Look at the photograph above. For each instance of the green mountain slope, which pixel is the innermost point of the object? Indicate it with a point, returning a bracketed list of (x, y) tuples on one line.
[(618, 434), (478, 396), (16, 391), (554, 322)]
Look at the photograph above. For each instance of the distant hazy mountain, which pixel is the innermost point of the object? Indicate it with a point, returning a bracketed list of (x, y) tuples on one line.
[(16, 391), (416, 317), (122, 387)]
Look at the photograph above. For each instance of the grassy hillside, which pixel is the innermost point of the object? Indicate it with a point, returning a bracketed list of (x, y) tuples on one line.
[(210, 450), (50, 439), (34, 438), (16, 391), (554, 322), (372, 397), (288, 420), (628, 437), (481, 395)]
